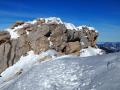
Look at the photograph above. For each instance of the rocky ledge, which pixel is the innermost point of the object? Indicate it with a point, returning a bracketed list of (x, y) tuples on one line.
[(43, 34)]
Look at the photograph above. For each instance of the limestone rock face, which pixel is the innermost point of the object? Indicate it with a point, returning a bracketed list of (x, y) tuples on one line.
[(39, 37)]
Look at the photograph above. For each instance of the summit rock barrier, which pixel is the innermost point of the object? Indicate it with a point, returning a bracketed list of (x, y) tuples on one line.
[(43, 34)]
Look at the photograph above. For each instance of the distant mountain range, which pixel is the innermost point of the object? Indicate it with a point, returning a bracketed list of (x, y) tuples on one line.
[(109, 47)]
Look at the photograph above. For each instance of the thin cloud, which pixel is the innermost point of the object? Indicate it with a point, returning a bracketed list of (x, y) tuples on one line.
[(19, 14)]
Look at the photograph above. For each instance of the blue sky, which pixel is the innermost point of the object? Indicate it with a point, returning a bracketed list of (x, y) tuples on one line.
[(104, 15)]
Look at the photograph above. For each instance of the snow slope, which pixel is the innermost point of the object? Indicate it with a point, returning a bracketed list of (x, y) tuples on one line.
[(72, 73), (25, 63), (28, 61)]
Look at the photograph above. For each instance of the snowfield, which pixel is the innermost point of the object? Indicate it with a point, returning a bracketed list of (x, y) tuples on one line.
[(30, 59), (71, 73)]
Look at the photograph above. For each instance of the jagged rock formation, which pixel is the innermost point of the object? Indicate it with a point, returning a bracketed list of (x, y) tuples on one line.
[(41, 35)]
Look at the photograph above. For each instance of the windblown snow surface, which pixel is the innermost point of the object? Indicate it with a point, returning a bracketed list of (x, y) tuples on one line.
[(71, 73)]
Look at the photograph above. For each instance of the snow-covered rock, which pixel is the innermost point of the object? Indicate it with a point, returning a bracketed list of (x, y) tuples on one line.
[(90, 51), (70, 26), (50, 20), (53, 20), (91, 28), (13, 33)]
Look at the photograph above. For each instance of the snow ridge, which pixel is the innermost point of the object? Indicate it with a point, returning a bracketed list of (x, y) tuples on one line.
[(50, 20)]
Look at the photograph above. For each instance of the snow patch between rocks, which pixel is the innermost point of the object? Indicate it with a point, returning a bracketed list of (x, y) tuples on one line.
[(13, 33), (53, 20), (90, 51)]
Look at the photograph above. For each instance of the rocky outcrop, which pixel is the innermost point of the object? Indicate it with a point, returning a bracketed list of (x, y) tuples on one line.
[(4, 49), (17, 24), (40, 36)]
